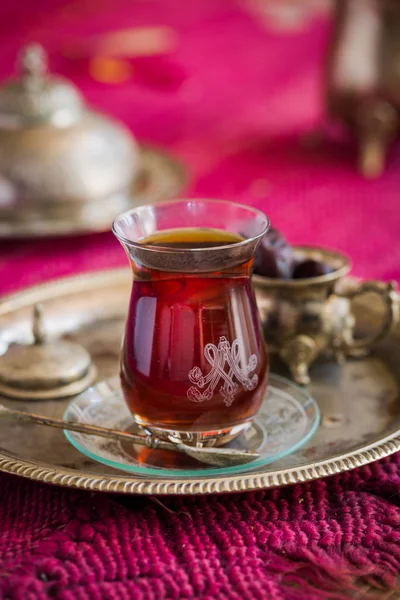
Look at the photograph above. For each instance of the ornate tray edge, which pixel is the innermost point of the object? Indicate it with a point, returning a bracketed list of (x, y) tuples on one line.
[(10, 463), (45, 473)]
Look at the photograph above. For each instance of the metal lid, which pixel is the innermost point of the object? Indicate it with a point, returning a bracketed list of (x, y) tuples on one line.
[(45, 369), (35, 96), (59, 159)]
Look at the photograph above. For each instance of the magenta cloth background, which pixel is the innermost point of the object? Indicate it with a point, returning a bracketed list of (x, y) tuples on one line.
[(236, 100)]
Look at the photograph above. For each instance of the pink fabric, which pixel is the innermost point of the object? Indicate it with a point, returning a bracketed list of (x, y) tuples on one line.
[(236, 101), (233, 100), (311, 542)]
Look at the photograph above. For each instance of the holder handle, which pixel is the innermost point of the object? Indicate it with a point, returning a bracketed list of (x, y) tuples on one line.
[(391, 300)]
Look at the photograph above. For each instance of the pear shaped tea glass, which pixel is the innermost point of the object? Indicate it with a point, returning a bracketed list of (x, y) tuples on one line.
[(194, 365)]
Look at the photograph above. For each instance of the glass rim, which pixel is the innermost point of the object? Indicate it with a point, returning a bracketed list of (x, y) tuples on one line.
[(255, 211)]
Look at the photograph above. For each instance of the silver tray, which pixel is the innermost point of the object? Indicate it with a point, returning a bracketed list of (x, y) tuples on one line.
[(359, 401), (160, 177)]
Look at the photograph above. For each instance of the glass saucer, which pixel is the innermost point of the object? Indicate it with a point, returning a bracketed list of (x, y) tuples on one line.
[(287, 419)]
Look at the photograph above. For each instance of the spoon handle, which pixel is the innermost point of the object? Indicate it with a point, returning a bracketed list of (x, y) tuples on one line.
[(86, 428), (214, 456)]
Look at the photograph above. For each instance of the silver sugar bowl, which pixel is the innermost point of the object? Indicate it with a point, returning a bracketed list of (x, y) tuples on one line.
[(59, 160)]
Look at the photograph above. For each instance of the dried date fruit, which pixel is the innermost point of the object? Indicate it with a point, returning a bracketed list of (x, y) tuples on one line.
[(274, 257), (310, 268)]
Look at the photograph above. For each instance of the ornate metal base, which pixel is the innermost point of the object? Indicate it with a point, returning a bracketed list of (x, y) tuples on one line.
[(219, 437)]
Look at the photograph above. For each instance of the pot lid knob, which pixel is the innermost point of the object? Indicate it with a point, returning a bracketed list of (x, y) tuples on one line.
[(46, 369), (35, 96)]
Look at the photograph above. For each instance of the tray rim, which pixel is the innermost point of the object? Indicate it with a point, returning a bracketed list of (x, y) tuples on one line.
[(128, 484)]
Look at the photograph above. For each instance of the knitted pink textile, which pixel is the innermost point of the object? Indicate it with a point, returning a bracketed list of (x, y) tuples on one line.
[(312, 542), (236, 99)]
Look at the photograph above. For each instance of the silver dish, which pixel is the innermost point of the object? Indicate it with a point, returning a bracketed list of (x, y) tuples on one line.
[(359, 401), (160, 177)]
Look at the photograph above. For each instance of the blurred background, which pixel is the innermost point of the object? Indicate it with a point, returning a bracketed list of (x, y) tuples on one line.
[(234, 90)]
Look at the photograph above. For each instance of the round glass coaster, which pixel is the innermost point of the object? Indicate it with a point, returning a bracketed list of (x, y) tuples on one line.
[(287, 419)]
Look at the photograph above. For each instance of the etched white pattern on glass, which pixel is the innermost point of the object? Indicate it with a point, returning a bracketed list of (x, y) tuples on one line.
[(236, 377)]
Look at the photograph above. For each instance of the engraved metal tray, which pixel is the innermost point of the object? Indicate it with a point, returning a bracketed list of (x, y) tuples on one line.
[(359, 401), (160, 177)]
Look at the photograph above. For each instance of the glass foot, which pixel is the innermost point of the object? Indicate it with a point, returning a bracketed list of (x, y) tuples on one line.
[(218, 437)]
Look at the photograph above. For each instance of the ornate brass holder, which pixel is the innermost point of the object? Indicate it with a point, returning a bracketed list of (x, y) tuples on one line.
[(303, 318), (45, 370)]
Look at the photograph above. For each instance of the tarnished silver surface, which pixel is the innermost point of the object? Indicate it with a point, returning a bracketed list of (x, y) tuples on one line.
[(359, 400)]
